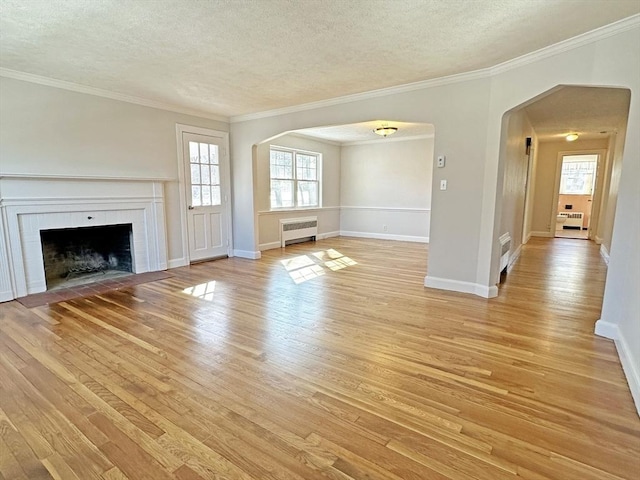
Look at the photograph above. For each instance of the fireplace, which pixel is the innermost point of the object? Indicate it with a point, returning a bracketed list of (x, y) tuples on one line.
[(77, 256)]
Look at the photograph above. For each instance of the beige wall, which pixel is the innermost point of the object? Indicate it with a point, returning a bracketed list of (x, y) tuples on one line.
[(516, 166), (544, 209), (50, 131), (328, 215)]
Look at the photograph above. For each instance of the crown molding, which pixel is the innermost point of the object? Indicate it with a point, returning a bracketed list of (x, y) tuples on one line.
[(383, 92), (546, 52), (583, 39), (99, 92), (572, 43)]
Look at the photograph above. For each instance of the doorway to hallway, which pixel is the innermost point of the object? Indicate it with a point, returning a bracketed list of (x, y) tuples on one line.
[(576, 190)]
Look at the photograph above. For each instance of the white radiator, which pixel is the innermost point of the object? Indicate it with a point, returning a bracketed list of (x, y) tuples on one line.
[(574, 219), (296, 228)]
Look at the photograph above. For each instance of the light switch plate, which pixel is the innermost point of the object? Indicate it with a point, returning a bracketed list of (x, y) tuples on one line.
[(441, 161), (443, 184)]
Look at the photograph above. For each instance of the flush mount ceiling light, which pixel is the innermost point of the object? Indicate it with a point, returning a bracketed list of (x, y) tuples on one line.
[(571, 137), (385, 131)]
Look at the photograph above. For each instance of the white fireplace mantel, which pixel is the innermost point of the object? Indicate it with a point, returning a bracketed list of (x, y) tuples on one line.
[(31, 203)]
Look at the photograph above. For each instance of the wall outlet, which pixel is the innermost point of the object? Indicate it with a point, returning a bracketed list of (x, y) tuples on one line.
[(384, 228), (441, 161)]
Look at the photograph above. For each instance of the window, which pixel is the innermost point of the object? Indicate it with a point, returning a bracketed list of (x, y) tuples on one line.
[(294, 178), (205, 174), (578, 174)]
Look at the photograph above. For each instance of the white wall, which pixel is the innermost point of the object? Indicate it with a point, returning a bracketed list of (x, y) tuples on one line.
[(50, 131), (516, 161), (609, 197), (387, 183), (328, 215)]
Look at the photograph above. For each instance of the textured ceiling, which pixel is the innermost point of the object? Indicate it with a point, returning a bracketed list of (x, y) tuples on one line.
[(234, 57), (590, 112)]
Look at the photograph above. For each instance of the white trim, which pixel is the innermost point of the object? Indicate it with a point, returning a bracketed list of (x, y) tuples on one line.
[(514, 256), (459, 286), (606, 329), (546, 52), (382, 92), (46, 176), (387, 209), (605, 253), (22, 201), (611, 330), (542, 234), (99, 92), (324, 236), (598, 240), (7, 279), (385, 236), (247, 254), (630, 369), (181, 129), (177, 262), (380, 141), (297, 210), (555, 49), (269, 246), (569, 44)]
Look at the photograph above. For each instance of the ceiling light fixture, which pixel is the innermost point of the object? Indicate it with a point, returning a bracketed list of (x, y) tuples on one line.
[(385, 131), (571, 137)]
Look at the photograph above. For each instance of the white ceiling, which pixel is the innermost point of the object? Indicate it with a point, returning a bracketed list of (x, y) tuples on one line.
[(590, 112), (235, 57), (363, 132)]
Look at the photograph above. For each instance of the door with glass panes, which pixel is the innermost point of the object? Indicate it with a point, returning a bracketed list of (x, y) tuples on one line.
[(205, 157)]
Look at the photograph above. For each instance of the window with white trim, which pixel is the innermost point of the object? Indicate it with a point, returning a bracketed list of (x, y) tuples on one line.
[(295, 178)]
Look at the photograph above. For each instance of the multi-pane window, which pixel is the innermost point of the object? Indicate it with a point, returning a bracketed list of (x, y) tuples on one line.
[(204, 161), (578, 177), (294, 178)]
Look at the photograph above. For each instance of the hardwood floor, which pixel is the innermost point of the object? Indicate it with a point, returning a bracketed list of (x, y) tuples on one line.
[(328, 360)]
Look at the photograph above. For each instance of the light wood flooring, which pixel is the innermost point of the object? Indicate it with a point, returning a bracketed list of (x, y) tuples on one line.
[(326, 360)]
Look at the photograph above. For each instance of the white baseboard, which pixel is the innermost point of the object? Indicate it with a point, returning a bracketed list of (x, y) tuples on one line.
[(385, 236), (514, 256), (606, 329), (6, 296), (177, 262), (630, 368), (323, 236), (605, 253), (268, 246), (629, 365), (598, 240), (542, 234), (247, 254), (463, 287)]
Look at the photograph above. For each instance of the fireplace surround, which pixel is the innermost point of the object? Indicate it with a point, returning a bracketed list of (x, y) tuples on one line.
[(32, 204)]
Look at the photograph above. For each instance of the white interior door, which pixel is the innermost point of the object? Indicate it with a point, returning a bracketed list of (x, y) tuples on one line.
[(206, 163)]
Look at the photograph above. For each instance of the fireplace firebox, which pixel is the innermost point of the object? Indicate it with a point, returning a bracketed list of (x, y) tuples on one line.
[(76, 256)]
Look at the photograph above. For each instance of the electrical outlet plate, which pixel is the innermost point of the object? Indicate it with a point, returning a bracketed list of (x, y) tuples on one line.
[(441, 161)]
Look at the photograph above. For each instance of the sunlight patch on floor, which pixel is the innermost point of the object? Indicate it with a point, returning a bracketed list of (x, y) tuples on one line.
[(306, 267), (203, 290)]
